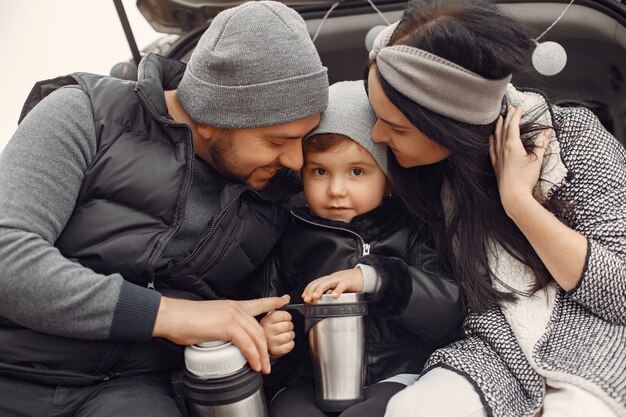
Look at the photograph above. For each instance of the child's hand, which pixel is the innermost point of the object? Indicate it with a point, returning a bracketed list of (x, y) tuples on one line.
[(279, 333), (348, 280)]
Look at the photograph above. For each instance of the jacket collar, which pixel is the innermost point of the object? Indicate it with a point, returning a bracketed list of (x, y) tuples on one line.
[(383, 221), (537, 110), (155, 75)]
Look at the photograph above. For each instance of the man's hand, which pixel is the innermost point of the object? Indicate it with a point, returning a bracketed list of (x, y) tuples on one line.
[(187, 322), (348, 280), (278, 333)]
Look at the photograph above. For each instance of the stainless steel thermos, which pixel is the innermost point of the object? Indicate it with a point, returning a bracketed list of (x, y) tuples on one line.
[(218, 382), (336, 333)]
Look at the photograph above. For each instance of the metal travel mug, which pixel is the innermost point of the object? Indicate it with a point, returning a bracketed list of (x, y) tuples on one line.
[(336, 332), (219, 383)]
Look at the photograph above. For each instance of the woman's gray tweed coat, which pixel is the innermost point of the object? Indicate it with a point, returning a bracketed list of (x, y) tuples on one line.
[(583, 338)]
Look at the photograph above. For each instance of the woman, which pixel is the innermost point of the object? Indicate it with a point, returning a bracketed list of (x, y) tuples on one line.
[(526, 203)]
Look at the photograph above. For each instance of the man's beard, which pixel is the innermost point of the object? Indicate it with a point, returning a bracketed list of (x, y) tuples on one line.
[(220, 150)]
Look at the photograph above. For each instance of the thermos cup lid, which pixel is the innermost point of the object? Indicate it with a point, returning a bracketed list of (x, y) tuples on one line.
[(211, 360), (346, 297), (346, 305)]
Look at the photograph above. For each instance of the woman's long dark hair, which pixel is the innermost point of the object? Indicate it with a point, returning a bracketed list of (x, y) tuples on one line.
[(475, 35)]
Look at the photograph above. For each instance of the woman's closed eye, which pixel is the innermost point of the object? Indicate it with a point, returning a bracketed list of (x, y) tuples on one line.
[(397, 131)]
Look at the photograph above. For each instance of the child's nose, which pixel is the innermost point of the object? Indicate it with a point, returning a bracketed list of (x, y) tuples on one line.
[(337, 187)]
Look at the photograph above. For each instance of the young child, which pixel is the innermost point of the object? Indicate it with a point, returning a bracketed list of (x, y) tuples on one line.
[(354, 237)]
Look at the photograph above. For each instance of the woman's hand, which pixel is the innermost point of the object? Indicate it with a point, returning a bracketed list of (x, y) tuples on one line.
[(562, 249), (348, 280), (516, 170), (279, 333)]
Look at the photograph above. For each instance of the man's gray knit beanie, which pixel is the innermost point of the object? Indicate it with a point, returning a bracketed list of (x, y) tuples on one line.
[(254, 66), (349, 114)]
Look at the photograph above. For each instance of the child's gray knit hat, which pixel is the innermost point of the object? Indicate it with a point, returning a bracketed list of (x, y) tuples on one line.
[(254, 66), (349, 113)]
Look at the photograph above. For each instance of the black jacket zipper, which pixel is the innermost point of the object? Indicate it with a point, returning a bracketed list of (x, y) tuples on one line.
[(216, 219), (365, 247), (168, 122)]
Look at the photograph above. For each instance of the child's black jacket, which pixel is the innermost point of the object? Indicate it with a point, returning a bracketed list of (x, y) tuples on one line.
[(417, 307)]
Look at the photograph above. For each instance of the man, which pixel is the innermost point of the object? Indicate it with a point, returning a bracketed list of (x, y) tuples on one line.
[(131, 212)]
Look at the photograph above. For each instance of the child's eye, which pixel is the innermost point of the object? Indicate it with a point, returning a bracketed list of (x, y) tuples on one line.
[(357, 172), (319, 171)]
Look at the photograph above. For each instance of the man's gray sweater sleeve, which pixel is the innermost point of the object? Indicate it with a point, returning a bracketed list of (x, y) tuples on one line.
[(41, 172)]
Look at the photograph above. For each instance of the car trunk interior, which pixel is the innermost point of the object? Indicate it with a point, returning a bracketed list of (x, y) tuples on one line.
[(593, 34)]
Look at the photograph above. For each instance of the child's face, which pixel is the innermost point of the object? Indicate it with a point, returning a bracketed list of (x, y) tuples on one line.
[(343, 182)]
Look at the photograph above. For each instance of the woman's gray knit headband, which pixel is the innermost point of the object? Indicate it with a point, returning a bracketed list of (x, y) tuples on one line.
[(438, 84)]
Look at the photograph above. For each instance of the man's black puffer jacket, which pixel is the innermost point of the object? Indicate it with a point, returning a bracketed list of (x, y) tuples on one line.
[(417, 307), (131, 204)]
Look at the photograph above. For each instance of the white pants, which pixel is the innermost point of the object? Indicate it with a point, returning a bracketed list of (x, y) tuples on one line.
[(444, 393)]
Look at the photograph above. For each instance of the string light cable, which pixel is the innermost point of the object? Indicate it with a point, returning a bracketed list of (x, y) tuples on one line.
[(549, 58), (334, 6)]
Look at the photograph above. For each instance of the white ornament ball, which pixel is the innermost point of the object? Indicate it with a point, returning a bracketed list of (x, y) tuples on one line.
[(370, 37), (549, 58)]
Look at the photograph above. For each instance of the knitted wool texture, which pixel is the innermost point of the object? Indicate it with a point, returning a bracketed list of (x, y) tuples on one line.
[(583, 343), (438, 84), (254, 66), (349, 114)]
